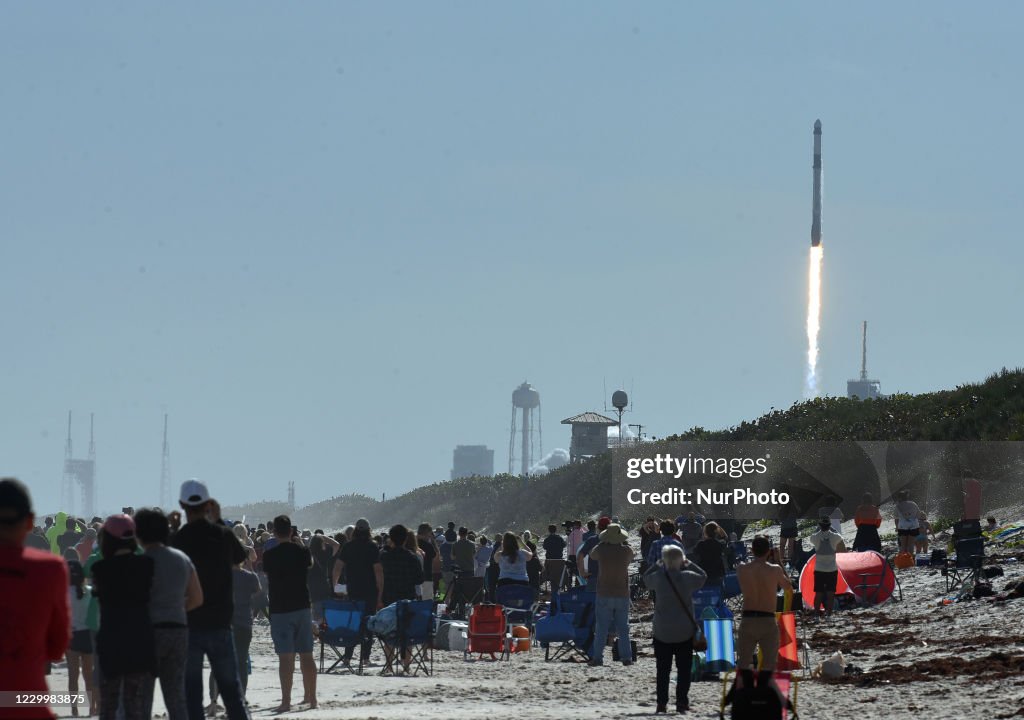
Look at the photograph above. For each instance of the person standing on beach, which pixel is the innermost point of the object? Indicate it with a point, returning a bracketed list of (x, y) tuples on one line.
[(589, 569), (402, 573), (760, 581), (554, 558), (463, 553), (359, 560), (33, 604), (612, 605), (214, 551), (668, 537), (709, 553), (511, 561), (826, 544), (80, 652), (788, 532), (291, 619), (868, 519), (74, 532), (431, 563), (690, 531), (175, 591), (908, 522), (673, 580), (124, 645)]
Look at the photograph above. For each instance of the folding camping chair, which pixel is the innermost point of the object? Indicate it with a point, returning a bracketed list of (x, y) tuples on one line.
[(637, 588), (789, 645), (486, 631), (732, 597), (414, 635), (966, 566), (785, 683), (720, 655), (464, 592), (520, 604), (341, 630), (710, 597), (870, 584), (573, 632)]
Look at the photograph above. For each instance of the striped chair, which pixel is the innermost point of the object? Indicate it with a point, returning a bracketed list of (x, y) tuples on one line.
[(721, 653)]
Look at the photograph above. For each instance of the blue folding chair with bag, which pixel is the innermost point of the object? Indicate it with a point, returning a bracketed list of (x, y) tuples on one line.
[(519, 603), (569, 626), (408, 640), (341, 631)]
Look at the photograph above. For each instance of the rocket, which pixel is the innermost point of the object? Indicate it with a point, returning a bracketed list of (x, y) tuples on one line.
[(816, 192)]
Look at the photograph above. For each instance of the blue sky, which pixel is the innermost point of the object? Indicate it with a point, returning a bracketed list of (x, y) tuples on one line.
[(331, 239)]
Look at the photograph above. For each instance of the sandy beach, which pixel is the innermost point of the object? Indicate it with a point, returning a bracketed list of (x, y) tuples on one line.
[(911, 658)]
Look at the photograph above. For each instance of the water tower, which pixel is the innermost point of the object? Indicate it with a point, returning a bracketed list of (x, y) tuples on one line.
[(525, 398)]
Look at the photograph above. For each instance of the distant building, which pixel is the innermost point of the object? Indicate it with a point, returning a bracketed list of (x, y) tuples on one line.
[(863, 389), (470, 460), (589, 435)]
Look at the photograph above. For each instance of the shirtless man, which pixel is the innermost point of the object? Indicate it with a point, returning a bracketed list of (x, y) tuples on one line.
[(760, 581)]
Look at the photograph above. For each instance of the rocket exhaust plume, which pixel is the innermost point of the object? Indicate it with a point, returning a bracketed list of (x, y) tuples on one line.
[(813, 321), (812, 389)]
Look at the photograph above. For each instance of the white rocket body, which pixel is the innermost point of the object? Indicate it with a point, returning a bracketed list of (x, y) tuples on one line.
[(816, 192)]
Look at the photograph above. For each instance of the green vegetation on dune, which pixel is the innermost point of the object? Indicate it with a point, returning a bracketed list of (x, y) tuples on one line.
[(992, 410)]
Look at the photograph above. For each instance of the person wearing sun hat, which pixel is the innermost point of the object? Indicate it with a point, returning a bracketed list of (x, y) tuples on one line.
[(612, 606), (215, 551), (125, 645)]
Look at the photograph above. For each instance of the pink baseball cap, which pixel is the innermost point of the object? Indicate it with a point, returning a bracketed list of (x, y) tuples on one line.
[(119, 526)]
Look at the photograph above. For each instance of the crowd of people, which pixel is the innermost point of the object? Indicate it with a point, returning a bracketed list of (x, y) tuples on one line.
[(145, 596)]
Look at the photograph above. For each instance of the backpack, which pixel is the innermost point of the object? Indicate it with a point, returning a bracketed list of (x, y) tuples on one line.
[(754, 696)]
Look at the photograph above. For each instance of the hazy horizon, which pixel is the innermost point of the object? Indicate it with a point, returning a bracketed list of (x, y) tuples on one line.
[(330, 240)]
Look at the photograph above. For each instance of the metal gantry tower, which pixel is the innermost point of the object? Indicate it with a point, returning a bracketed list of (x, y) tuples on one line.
[(81, 473), (66, 489)]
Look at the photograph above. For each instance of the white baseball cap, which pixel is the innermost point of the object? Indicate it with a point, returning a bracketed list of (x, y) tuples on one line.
[(194, 493)]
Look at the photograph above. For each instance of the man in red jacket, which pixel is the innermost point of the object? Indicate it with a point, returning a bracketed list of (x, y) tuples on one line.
[(35, 623)]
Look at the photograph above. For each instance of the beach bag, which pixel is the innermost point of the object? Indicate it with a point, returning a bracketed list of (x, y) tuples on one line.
[(700, 643), (615, 650), (983, 589), (754, 696), (834, 667), (905, 560), (385, 622)]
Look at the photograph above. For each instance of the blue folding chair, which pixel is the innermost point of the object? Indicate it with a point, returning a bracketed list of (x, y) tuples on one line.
[(341, 631), (416, 635), (575, 637), (709, 597), (519, 603), (731, 585)]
